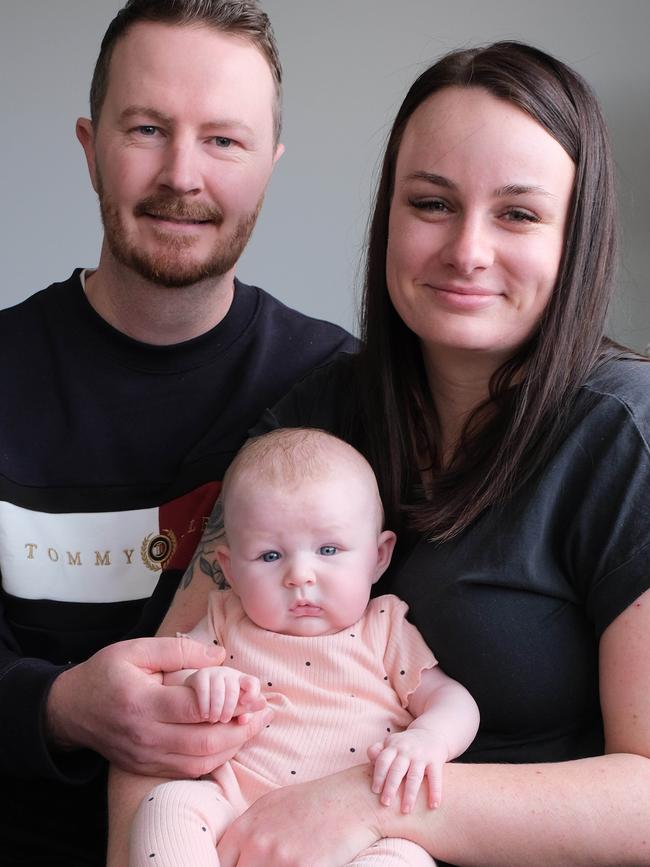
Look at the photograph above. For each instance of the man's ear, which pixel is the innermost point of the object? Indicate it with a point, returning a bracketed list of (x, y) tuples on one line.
[(279, 150), (385, 548), (86, 135), (222, 553)]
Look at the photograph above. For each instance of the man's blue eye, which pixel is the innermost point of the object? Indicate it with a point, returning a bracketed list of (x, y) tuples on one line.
[(222, 141), (270, 556), (327, 550), (147, 130)]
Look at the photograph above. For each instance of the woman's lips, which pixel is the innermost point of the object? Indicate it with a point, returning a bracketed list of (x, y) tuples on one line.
[(463, 297)]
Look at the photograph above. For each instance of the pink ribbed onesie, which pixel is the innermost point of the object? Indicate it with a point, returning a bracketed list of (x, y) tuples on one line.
[(333, 696)]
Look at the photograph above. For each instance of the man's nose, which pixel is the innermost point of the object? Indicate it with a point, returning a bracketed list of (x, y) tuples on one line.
[(180, 171)]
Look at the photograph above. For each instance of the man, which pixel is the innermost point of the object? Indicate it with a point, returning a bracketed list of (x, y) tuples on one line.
[(126, 391)]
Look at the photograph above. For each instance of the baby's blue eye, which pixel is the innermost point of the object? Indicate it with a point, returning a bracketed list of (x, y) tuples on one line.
[(327, 550), (270, 556)]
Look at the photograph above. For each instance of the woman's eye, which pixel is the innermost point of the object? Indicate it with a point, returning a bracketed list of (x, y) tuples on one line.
[(327, 550), (516, 215), (270, 556), (436, 206)]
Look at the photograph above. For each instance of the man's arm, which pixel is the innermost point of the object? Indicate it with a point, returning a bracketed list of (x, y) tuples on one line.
[(25, 747), (201, 576)]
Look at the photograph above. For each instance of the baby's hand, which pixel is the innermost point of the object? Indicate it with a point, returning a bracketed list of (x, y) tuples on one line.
[(224, 693), (410, 756)]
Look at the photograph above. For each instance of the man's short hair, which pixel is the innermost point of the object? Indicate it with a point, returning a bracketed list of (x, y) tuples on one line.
[(242, 18)]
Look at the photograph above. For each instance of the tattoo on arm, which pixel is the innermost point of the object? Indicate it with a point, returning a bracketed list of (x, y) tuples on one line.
[(204, 559)]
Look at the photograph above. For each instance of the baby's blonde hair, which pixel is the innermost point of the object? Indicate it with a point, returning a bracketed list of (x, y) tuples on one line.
[(288, 456)]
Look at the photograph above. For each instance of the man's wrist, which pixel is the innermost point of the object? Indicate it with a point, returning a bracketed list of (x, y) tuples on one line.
[(57, 716)]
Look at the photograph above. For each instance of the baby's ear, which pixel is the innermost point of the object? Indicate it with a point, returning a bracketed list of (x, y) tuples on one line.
[(385, 548), (222, 553)]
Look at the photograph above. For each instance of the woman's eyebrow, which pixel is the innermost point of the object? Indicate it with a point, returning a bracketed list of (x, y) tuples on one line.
[(432, 178), (506, 190), (522, 190)]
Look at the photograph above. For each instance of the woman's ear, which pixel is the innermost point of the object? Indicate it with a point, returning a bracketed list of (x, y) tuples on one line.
[(385, 548)]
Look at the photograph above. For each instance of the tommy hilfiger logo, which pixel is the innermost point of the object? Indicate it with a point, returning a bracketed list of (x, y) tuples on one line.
[(157, 549)]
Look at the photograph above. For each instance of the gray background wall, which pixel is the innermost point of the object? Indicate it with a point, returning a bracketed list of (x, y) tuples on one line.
[(347, 66)]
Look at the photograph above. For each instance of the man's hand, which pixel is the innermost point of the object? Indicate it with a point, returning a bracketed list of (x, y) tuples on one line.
[(115, 703), (224, 693), (409, 756)]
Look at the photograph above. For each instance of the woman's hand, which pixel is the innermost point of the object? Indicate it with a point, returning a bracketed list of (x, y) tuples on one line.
[(323, 823)]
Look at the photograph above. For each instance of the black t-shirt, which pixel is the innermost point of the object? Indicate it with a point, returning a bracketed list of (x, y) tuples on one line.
[(515, 606)]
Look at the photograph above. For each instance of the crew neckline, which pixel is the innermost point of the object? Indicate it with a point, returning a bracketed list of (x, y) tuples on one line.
[(174, 357)]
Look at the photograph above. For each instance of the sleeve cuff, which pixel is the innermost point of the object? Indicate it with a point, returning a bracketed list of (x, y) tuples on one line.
[(24, 749)]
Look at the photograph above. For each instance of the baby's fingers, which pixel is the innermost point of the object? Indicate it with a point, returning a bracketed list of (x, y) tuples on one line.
[(412, 784), (250, 686), (217, 695), (394, 777), (434, 785), (201, 686), (383, 760), (230, 699), (375, 750)]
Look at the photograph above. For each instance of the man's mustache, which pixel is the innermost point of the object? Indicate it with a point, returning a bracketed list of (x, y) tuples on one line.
[(175, 208)]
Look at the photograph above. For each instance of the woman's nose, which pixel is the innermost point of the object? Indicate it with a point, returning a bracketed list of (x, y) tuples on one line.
[(470, 245)]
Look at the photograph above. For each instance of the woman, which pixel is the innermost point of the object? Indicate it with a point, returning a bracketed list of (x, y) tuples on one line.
[(510, 440)]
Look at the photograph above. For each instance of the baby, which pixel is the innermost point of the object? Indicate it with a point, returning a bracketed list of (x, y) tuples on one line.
[(348, 678)]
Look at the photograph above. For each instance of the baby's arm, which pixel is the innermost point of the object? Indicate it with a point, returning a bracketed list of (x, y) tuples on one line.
[(445, 724), (222, 693)]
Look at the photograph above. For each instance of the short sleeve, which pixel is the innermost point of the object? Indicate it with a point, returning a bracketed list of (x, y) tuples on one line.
[(608, 543), (407, 654), (319, 400)]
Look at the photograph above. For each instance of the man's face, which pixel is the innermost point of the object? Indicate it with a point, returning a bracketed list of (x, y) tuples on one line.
[(182, 151)]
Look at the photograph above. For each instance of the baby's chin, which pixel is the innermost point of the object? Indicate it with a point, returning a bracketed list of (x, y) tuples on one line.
[(306, 626)]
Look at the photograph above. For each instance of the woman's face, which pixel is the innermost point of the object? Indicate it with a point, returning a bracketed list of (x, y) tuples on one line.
[(477, 223)]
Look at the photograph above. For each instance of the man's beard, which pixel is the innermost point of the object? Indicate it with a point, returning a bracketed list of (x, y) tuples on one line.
[(173, 266)]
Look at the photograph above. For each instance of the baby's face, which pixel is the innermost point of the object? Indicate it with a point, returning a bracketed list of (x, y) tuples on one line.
[(302, 559)]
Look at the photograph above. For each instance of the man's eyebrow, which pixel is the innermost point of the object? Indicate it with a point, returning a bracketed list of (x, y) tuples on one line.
[(145, 111)]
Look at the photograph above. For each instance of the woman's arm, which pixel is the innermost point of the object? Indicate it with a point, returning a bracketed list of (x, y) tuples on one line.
[(593, 811)]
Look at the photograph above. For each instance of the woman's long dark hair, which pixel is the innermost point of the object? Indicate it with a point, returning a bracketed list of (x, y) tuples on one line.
[(395, 420)]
